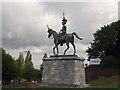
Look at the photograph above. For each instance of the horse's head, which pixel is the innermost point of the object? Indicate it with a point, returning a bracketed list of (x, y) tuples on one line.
[(50, 33)]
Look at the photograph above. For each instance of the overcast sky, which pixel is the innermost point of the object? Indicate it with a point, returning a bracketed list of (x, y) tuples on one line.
[(24, 25)]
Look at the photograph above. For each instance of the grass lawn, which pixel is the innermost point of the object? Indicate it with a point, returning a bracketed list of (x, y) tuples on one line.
[(103, 83)]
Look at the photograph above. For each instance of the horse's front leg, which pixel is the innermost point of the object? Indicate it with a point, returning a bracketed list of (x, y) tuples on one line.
[(56, 46)]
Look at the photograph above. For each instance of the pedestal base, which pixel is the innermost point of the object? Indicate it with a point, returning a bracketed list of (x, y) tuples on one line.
[(63, 71)]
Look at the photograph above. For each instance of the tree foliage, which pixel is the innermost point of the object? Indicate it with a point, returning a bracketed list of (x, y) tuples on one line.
[(9, 67), (28, 57), (45, 55), (20, 65), (29, 72), (18, 69), (106, 42), (38, 74)]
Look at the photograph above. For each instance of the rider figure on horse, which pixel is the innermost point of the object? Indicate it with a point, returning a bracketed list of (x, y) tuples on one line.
[(63, 30), (64, 21)]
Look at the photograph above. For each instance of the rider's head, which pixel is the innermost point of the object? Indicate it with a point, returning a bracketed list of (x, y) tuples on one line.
[(64, 21)]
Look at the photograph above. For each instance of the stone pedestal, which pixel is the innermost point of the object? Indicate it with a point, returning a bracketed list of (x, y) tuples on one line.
[(63, 71)]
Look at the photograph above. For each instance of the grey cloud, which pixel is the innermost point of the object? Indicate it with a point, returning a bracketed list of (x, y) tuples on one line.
[(26, 21), (20, 29)]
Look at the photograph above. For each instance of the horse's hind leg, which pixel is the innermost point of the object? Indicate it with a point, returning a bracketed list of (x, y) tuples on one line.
[(73, 47), (57, 50), (54, 50), (67, 48)]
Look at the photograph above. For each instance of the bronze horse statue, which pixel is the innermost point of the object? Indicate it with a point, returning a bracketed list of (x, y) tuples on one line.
[(67, 38)]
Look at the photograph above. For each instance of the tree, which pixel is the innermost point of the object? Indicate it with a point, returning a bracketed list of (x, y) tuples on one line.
[(20, 65), (28, 71), (28, 57), (9, 67), (38, 75), (45, 55), (106, 42)]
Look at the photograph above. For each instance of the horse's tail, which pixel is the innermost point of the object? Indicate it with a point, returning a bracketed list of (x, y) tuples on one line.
[(76, 35)]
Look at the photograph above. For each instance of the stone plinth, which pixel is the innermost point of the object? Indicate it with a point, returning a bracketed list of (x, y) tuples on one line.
[(63, 71)]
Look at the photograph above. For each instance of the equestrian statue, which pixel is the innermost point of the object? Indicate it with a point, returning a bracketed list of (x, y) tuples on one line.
[(62, 37)]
